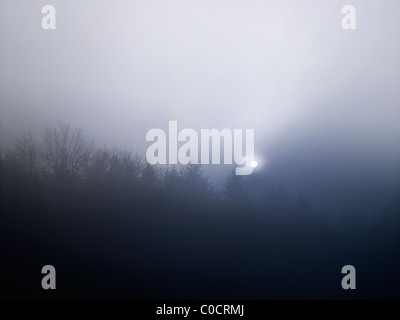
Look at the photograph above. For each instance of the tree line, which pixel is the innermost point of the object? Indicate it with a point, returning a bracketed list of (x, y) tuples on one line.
[(64, 161), (115, 226)]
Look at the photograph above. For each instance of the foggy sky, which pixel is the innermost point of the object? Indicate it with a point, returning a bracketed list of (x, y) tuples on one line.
[(314, 93)]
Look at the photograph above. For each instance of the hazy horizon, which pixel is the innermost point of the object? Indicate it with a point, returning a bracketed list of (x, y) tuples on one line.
[(313, 92)]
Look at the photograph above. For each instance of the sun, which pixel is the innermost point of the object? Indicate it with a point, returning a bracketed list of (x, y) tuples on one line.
[(254, 164)]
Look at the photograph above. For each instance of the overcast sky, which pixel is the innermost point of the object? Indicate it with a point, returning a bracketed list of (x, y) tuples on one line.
[(284, 68)]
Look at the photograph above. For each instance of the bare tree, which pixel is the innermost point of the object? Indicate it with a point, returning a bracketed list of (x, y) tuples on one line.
[(26, 156), (21, 170), (66, 152)]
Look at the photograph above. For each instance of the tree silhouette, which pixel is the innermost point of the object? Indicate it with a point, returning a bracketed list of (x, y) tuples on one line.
[(172, 180), (234, 192), (194, 180), (129, 217), (150, 182), (66, 152), (27, 156)]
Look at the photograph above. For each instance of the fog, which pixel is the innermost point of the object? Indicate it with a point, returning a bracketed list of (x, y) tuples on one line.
[(310, 89), (324, 104)]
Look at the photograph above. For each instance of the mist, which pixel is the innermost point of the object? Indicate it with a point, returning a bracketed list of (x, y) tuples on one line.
[(323, 101)]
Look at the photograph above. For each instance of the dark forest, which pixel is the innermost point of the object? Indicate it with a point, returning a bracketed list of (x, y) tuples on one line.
[(116, 227)]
